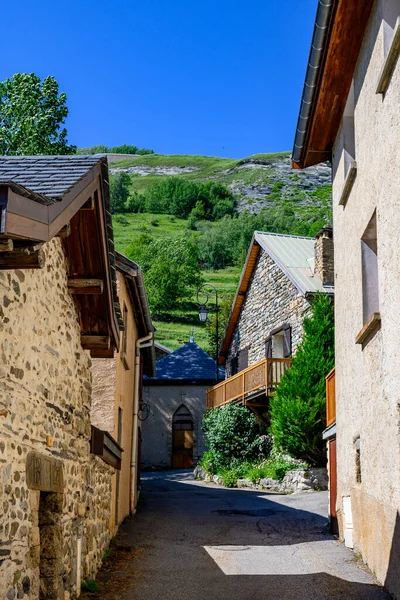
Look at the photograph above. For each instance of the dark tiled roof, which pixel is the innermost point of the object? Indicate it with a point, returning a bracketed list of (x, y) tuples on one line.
[(189, 363), (50, 177)]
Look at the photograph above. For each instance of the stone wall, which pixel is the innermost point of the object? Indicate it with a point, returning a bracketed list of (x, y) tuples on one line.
[(367, 378), (45, 393), (271, 301)]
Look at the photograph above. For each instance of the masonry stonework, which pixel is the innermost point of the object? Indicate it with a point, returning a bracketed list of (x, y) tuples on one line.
[(272, 300), (47, 539)]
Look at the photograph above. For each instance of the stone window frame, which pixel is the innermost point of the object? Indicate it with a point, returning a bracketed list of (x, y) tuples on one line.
[(391, 43)]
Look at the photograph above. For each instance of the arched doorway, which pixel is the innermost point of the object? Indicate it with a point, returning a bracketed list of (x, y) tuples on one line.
[(182, 439)]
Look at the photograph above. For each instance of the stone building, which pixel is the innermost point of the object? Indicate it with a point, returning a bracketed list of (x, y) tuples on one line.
[(172, 436), (58, 299), (279, 279), (350, 114), (117, 387), (281, 275)]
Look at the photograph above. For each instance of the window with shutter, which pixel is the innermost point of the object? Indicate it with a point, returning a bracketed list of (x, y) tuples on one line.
[(287, 342), (243, 359), (268, 347)]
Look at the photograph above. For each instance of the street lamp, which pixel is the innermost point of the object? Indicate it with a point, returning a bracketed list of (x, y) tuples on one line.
[(204, 292)]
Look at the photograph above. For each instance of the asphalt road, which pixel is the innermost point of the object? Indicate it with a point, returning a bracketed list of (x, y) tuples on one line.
[(197, 541)]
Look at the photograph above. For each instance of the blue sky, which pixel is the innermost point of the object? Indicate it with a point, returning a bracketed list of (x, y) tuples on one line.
[(216, 77)]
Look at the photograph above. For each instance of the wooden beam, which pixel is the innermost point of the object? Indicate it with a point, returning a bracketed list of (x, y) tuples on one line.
[(6, 245), (95, 342), (64, 231), (85, 286), (22, 260)]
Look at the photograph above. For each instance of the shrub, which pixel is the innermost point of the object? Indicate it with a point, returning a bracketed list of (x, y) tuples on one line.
[(191, 222), (121, 220), (229, 478), (298, 405), (233, 435), (207, 463), (155, 222)]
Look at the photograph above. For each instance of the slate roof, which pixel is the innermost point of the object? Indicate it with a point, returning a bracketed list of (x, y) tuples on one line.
[(48, 177), (295, 256), (188, 363)]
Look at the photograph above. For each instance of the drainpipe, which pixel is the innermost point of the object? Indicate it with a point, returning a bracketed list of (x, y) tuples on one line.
[(144, 342)]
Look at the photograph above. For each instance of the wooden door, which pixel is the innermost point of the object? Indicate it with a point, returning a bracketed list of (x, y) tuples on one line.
[(182, 449), (333, 485)]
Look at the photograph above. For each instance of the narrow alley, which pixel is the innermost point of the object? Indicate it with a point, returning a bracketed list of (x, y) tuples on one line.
[(192, 540)]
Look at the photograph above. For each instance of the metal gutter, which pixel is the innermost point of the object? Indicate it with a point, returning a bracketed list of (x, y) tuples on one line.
[(321, 27)]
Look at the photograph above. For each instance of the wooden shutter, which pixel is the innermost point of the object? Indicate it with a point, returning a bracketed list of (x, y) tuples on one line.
[(234, 365), (243, 359), (268, 347), (287, 342)]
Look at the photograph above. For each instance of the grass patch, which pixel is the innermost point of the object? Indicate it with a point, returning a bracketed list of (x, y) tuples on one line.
[(90, 585)]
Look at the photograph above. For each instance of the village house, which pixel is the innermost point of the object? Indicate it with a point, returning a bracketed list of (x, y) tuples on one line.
[(58, 301), (350, 114), (117, 387), (281, 275), (176, 397)]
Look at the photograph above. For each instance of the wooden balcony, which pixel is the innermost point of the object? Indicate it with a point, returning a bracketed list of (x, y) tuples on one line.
[(260, 378)]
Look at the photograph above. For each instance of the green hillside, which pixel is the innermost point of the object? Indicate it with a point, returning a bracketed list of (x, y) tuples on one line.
[(264, 186)]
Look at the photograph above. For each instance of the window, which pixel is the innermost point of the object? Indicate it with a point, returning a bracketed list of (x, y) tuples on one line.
[(369, 259), (349, 147), (390, 11), (279, 343), (243, 359), (370, 291), (349, 140), (124, 343)]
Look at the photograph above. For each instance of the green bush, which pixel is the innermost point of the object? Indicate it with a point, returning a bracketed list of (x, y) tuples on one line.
[(298, 405), (207, 463), (229, 478), (234, 435)]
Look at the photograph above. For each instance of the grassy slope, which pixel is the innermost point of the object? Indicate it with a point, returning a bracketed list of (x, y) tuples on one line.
[(174, 328)]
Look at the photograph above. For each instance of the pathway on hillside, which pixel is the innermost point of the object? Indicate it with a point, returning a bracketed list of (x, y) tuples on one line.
[(196, 541)]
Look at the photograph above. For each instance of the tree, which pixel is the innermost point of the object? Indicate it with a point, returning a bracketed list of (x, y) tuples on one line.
[(171, 269), (298, 405), (119, 192), (32, 113)]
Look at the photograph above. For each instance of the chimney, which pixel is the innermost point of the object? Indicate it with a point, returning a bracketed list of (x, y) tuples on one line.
[(323, 260)]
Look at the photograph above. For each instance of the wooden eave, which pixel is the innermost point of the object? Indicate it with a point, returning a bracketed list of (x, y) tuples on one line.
[(88, 246), (244, 283), (340, 54)]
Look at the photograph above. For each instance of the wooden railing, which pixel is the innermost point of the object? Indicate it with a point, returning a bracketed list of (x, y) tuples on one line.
[(266, 374), (330, 398)]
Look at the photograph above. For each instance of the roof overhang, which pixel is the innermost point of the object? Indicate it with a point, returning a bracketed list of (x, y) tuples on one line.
[(240, 296), (83, 220), (338, 34)]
